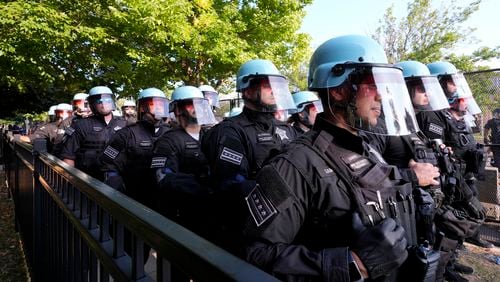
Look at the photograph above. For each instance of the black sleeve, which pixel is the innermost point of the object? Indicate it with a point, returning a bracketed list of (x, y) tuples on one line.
[(432, 124), (73, 136), (225, 147), (271, 238), (114, 156), (168, 149)]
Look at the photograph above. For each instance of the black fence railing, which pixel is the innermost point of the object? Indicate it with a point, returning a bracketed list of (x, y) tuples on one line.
[(75, 228)]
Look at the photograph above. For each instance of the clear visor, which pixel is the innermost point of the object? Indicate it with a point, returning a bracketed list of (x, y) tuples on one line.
[(102, 104), (213, 98), (380, 102), (203, 112), (63, 113), (455, 85), (318, 106), (472, 106), (82, 105), (426, 94), (282, 115), (157, 106), (470, 120), (271, 93)]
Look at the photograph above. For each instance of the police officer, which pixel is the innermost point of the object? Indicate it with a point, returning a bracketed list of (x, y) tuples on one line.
[(330, 208), (453, 130), (87, 138), (52, 113), (129, 112), (308, 106), (180, 166), (493, 138), (127, 157), (237, 147), (53, 132), (416, 157), (80, 106)]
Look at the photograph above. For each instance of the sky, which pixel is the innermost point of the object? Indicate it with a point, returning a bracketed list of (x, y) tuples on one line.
[(326, 19)]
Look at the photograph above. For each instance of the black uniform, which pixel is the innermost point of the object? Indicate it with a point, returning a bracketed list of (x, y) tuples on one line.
[(303, 207), (182, 184), (85, 141), (494, 125), (53, 133), (236, 150), (127, 160)]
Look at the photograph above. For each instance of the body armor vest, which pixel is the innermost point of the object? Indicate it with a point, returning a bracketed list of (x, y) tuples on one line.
[(262, 139), (458, 136), (377, 188)]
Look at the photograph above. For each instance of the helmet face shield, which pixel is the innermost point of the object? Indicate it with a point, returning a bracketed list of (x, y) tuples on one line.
[(426, 93), (213, 98), (82, 105), (158, 107), (269, 93), (63, 114), (102, 104), (318, 106), (195, 110), (459, 94), (203, 112), (379, 102)]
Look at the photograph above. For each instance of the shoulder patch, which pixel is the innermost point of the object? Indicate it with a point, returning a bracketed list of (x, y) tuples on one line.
[(261, 208), (281, 133), (111, 152), (435, 128), (231, 156), (70, 130), (158, 162)]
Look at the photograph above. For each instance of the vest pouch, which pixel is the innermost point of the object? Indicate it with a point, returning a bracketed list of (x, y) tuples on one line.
[(385, 198)]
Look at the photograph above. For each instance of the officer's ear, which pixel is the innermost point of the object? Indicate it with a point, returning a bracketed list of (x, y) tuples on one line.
[(338, 94)]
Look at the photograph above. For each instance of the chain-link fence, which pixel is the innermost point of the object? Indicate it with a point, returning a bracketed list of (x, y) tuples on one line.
[(485, 85)]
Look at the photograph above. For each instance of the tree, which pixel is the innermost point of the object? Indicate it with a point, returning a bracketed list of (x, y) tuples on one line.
[(50, 50), (424, 33)]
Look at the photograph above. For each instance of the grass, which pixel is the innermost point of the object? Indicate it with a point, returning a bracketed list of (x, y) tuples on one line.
[(12, 262)]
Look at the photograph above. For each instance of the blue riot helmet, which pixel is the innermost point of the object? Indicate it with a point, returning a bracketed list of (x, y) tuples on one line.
[(359, 89), (211, 95), (263, 87), (153, 105), (188, 103), (101, 100), (425, 91), (308, 106), (63, 111), (235, 111), (455, 87)]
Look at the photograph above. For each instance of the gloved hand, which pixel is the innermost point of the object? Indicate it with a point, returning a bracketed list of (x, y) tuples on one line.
[(381, 248), (115, 181)]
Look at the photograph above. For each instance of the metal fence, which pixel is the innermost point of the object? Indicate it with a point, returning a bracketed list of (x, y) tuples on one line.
[(485, 86), (73, 228)]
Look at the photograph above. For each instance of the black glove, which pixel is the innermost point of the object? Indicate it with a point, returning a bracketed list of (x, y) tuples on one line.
[(115, 182), (381, 248)]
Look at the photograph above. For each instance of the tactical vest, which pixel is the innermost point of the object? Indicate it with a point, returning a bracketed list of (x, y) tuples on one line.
[(96, 135), (140, 151), (458, 136), (376, 187), (261, 141)]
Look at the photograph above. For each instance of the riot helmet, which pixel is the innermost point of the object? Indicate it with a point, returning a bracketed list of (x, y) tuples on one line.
[(358, 87), (455, 87), (80, 103), (188, 104), (153, 104), (263, 87), (211, 95), (425, 91), (63, 111), (52, 113), (101, 100), (308, 106)]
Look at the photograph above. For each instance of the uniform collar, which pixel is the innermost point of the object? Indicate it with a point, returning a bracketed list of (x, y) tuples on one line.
[(342, 137)]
